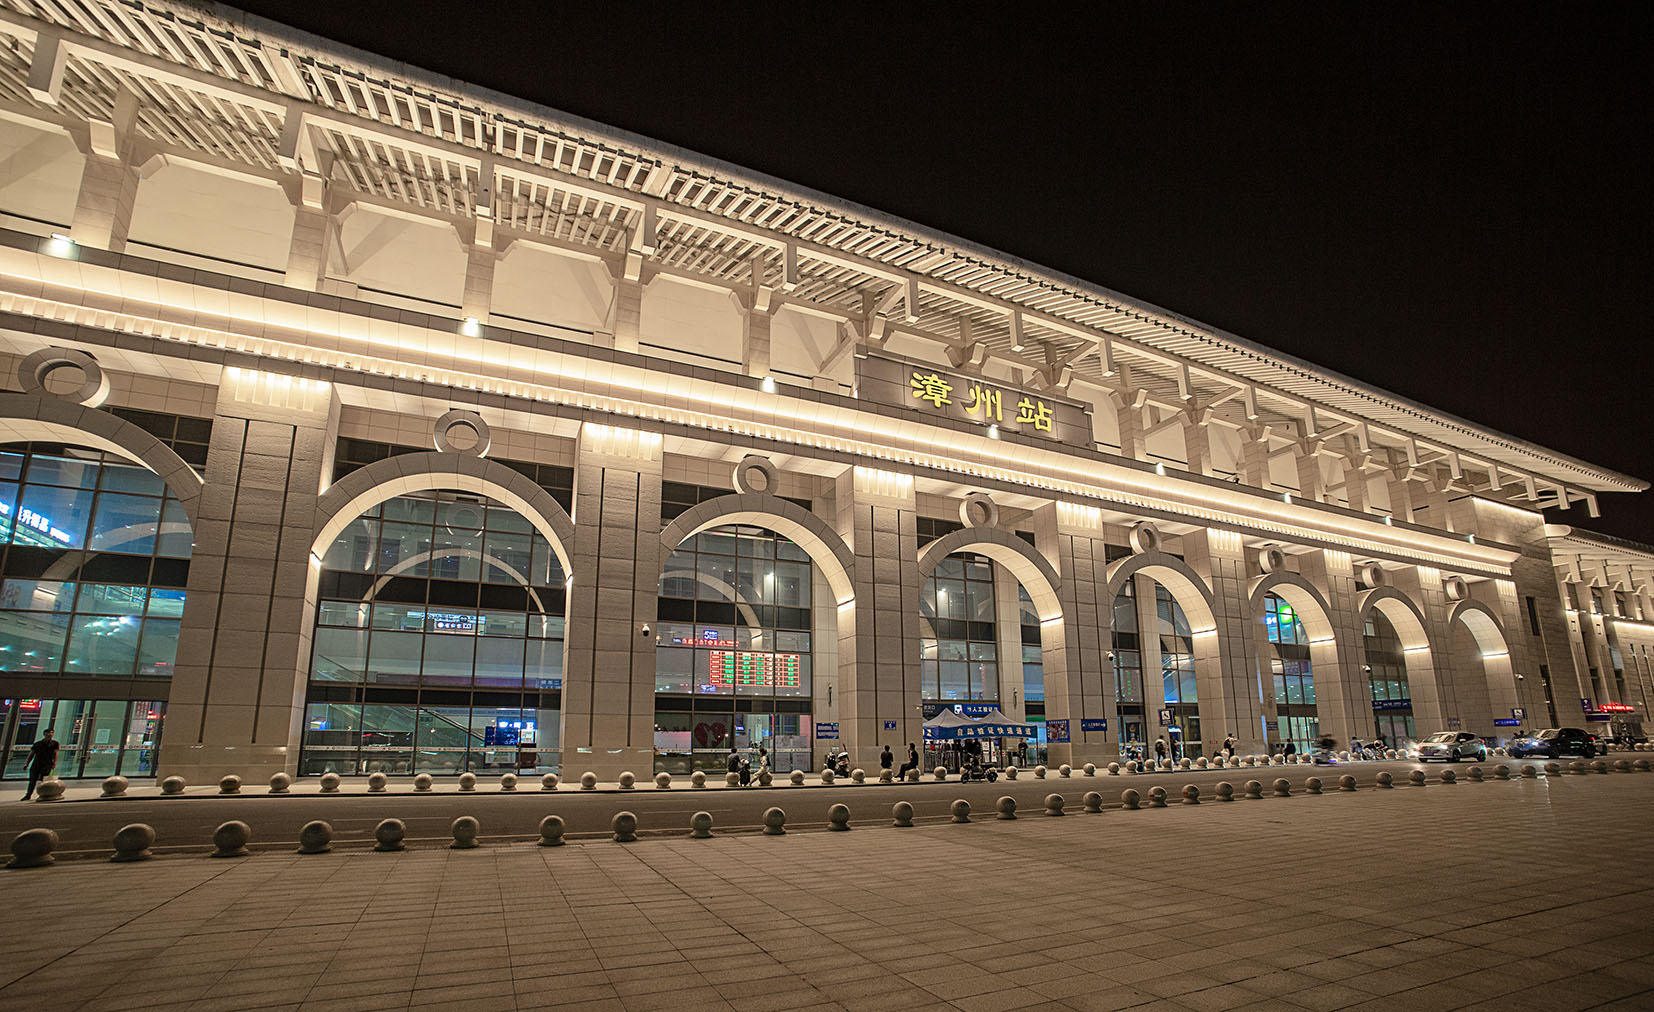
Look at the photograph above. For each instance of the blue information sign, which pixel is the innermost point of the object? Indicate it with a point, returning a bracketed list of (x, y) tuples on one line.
[(1056, 730), (826, 730), (1093, 723), (1392, 704), (890, 725), (1507, 722)]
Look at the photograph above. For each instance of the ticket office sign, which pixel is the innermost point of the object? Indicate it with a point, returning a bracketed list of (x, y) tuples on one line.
[(927, 390)]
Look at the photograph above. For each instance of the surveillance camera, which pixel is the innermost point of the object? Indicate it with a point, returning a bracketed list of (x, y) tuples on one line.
[(1111, 655), (1368, 668), (644, 631), (1520, 677)]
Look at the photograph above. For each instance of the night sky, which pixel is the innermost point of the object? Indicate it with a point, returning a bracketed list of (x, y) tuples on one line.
[(1451, 202)]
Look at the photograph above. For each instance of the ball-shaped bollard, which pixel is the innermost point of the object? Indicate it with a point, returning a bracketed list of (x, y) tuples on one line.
[(588, 781), (1113, 769), (886, 777), (697, 779), (1200, 763), (1092, 802), (1531, 771), (114, 787), (423, 782), (1130, 800), (330, 783), (1599, 766), (961, 810), (838, 818), (230, 839), (775, 822), (1183, 763), (1054, 804), (1065, 771), (1383, 779), (1157, 797), (388, 835), (467, 782), (1254, 789), (1010, 773), (1312, 785), (377, 782), (1622, 766), (508, 782), (913, 775), (901, 814), (858, 776), (1191, 794), (172, 787), (1225, 790), (1346, 783), (1449, 777), (1131, 766), (549, 782), (1089, 769), (551, 831), (229, 785), (465, 829), (663, 781), (827, 776), (940, 773), (1641, 765), (33, 848), (700, 826), (1578, 768), (624, 825), (797, 778), (1417, 778), (315, 837), (1501, 772), (132, 842), (1553, 769), (1005, 809), (280, 783), (627, 781), (1039, 772), (1474, 773)]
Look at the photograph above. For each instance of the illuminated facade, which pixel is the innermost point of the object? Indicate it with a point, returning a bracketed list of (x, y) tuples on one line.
[(358, 420)]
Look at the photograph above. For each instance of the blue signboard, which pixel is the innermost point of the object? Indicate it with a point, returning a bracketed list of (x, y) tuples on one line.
[(1392, 704), (890, 725), (1093, 723), (1056, 731), (826, 730), (1507, 722), (968, 709)]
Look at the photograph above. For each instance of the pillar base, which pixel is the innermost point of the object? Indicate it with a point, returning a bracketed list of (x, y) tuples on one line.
[(207, 764), (607, 763)]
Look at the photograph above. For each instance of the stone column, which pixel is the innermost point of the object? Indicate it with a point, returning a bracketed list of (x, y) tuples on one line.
[(1197, 445), (1432, 704), (237, 699), (1355, 486), (609, 679), (1225, 660), (307, 253), (755, 342), (479, 282), (1401, 499), (625, 316), (1080, 559), (1253, 463), (103, 208), (1343, 692), (1133, 443), (1310, 484)]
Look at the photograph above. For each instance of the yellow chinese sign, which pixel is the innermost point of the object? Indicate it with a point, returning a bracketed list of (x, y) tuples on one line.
[(970, 397), (985, 403)]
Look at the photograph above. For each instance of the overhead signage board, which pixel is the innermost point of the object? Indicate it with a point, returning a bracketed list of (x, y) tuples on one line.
[(826, 731), (1088, 724), (1507, 722), (1392, 704), (927, 390)]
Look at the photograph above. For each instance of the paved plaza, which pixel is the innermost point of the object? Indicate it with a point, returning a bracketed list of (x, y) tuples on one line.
[(1496, 895)]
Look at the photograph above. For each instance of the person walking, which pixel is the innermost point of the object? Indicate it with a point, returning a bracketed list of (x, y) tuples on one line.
[(42, 761), (1159, 750), (886, 758), (1229, 745)]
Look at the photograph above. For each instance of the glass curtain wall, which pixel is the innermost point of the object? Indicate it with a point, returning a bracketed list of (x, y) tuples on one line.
[(1177, 673), (733, 660), (1128, 674), (1296, 717), (1387, 678), (439, 642), (961, 661), (1033, 659)]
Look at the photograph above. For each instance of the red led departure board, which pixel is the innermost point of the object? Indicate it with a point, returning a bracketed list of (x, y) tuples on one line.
[(749, 669)]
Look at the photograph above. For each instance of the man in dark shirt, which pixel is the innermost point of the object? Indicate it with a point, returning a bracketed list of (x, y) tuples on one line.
[(42, 760), (886, 760)]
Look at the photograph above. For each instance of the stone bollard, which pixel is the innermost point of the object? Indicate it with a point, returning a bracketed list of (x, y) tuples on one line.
[(1039, 772), (1383, 779), (858, 776), (1219, 762), (826, 776), (624, 825), (1191, 794), (1282, 788), (1622, 766), (1130, 800), (901, 814), (940, 773), (1092, 802), (1183, 763), (1005, 808), (1065, 771), (1474, 773), (1449, 777), (229, 785), (797, 778), (1089, 769), (114, 787), (913, 775), (700, 826), (1346, 783), (588, 781), (33, 848), (549, 782), (775, 822), (1054, 804), (627, 781), (388, 835), (663, 781), (1254, 790), (1389, 753), (886, 777), (315, 837), (1201, 763), (1598, 766), (961, 810), (377, 782), (132, 842), (468, 782), (1313, 785), (551, 831), (1113, 769), (423, 783), (280, 783), (1280, 760), (508, 783), (1577, 768), (464, 829), (1532, 772), (1640, 765), (1131, 765), (838, 818), (1501, 772), (1416, 778), (1010, 773), (765, 777), (698, 778), (1225, 790), (172, 787), (230, 839), (1157, 797)]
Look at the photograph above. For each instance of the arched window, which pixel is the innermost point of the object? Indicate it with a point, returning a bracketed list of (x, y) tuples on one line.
[(1387, 678), (1296, 717)]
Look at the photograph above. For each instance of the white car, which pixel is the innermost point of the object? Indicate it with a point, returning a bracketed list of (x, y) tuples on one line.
[(1451, 746)]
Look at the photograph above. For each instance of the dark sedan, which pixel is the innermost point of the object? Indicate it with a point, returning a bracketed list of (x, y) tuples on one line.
[(1555, 743)]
